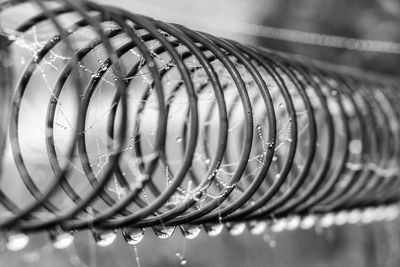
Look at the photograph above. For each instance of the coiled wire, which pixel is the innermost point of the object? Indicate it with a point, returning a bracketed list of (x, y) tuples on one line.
[(195, 129)]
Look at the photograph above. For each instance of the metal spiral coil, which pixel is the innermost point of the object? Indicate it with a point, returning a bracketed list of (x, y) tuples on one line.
[(151, 124)]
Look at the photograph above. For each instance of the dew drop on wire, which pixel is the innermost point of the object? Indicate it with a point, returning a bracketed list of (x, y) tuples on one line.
[(183, 261), (16, 242), (236, 229), (214, 229), (104, 238), (190, 231), (60, 239), (163, 231), (257, 227), (133, 236)]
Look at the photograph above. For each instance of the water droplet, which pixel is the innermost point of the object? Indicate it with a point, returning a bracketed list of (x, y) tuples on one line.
[(104, 238), (12, 37), (279, 225), (341, 218), (207, 161), (259, 127), (16, 242), (392, 212), (236, 229), (308, 222), (94, 75), (293, 223), (327, 220), (281, 105), (269, 240), (182, 260), (213, 229), (133, 236), (354, 216), (179, 139), (379, 214), (163, 231), (190, 231), (368, 215), (256, 227), (60, 239), (274, 158)]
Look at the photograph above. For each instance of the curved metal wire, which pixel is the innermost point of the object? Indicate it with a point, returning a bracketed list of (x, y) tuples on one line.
[(197, 129)]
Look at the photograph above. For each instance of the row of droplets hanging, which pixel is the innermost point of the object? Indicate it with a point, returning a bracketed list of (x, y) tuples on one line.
[(133, 236)]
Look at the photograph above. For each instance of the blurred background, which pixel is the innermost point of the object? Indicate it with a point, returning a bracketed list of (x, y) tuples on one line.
[(375, 244), (363, 19)]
